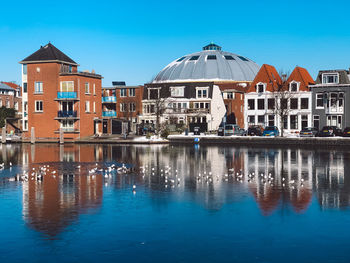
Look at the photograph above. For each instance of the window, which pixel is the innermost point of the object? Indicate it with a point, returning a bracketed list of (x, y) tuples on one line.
[(261, 104), (94, 88), (251, 119), (285, 122), (229, 95), (317, 121), (25, 87), (294, 122), (0, 102), (16, 105), (38, 106), (260, 88), (319, 100), (26, 125), (229, 58), (211, 57), (341, 99), (132, 107), (284, 103), (271, 104), (304, 121), (123, 92), (67, 124), (132, 92), (293, 87), (94, 107), (87, 88), (87, 106), (193, 58), (251, 104), (24, 69), (243, 58), (123, 107), (67, 86), (180, 59), (202, 93), (304, 103), (271, 120), (261, 119), (7, 104), (294, 104), (330, 78), (177, 91), (39, 88)]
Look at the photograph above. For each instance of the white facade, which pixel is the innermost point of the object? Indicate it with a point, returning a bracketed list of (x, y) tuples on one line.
[(24, 98), (258, 110)]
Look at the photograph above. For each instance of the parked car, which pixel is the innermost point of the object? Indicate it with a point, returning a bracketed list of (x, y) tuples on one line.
[(330, 131), (308, 132), (234, 129), (255, 130), (346, 132), (221, 131), (271, 131)]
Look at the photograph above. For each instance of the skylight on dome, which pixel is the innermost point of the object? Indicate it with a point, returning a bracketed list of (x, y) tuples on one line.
[(229, 58), (211, 57), (194, 58), (243, 58), (180, 59)]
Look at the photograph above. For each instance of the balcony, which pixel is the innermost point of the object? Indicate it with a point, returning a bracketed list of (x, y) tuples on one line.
[(111, 113), (198, 110), (67, 95), (109, 99), (68, 130), (67, 114)]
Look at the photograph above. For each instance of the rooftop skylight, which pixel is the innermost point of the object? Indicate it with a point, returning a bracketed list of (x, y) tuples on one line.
[(243, 58), (211, 57), (180, 59), (229, 58), (194, 58)]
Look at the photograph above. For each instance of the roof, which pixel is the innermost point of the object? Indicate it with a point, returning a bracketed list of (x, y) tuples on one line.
[(48, 53), (210, 64), (344, 77), (12, 85), (4, 86), (301, 75), (269, 75)]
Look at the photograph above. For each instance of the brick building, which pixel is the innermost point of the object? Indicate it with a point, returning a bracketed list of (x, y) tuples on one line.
[(120, 104), (57, 96), (10, 97)]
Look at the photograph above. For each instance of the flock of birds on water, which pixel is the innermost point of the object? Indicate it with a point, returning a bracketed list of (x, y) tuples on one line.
[(169, 177)]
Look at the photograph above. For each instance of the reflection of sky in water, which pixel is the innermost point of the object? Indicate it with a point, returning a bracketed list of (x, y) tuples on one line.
[(247, 205)]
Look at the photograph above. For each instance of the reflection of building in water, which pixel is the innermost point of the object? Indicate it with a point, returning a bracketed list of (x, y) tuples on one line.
[(331, 185), (56, 202), (295, 166)]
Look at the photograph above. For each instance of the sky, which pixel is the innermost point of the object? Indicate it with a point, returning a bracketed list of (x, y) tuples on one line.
[(133, 40)]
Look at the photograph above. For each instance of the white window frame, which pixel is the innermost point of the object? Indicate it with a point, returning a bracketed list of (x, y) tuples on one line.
[(260, 84), (87, 106), (38, 87), (94, 88), (294, 82), (94, 106), (36, 106), (132, 108), (320, 94), (132, 94), (177, 91), (70, 86), (333, 74), (201, 93), (87, 87)]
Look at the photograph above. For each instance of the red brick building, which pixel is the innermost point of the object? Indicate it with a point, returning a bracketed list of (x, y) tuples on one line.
[(57, 96), (10, 97), (121, 104)]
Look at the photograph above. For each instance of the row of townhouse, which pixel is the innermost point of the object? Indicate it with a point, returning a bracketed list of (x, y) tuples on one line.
[(308, 103), (57, 97)]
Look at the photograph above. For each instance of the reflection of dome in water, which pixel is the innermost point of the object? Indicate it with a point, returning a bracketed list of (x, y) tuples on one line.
[(208, 65)]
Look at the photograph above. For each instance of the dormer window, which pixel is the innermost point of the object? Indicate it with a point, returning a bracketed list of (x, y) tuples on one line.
[(294, 86), (260, 87), (330, 78), (202, 93), (177, 91)]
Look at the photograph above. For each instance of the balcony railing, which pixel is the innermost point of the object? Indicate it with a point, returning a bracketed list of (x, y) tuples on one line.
[(67, 95), (111, 113), (198, 110), (109, 99), (67, 114)]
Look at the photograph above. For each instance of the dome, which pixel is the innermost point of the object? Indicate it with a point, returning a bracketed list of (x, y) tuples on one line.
[(211, 64)]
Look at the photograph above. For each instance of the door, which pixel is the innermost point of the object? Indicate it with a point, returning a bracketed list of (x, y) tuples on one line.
[(105, 126)]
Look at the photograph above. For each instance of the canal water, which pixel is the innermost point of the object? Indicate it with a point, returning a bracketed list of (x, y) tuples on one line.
[(90, 203)]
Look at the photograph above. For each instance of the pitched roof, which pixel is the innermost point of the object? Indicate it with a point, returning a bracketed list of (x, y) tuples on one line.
[(301, 75), (269, 75), (11, 85), (4, 86), (48, 53)]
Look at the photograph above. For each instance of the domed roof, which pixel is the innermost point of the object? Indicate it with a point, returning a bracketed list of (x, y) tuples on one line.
[(211, 64)]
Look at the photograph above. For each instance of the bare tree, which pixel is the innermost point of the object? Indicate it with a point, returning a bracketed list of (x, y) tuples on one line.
[(282, 96)]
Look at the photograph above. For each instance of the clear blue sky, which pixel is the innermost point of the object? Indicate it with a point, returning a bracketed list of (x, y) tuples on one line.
[(134, 40)]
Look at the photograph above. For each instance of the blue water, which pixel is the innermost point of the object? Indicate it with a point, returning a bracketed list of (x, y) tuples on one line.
[(77, 216)]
